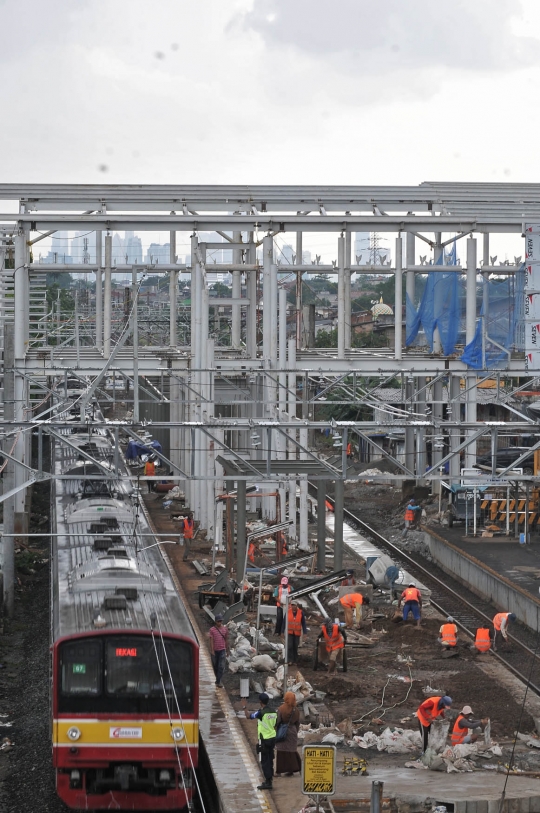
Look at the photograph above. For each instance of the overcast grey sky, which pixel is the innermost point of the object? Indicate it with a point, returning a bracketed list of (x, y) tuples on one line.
[(290, 91)]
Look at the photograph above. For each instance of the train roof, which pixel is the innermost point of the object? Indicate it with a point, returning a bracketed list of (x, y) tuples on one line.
[(104, 575)]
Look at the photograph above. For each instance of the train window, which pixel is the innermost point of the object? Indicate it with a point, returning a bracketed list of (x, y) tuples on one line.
[(138, 667), (81, 667)]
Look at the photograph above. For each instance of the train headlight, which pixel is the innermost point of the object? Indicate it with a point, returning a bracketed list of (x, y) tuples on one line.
[(73, 733), (177, 734)]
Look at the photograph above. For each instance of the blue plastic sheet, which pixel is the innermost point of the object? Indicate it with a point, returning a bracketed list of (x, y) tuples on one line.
[(439, 307), (135, 449)]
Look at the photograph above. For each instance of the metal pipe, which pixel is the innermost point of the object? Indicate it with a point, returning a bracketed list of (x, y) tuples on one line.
[(135, 331), (321, 525), (173, 292), (347, 290), (8, 565), (298, 270)]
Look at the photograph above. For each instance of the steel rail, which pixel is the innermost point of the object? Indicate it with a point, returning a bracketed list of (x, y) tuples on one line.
[(356, 521)]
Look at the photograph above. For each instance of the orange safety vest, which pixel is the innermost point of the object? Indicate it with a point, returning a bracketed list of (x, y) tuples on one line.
[(188, 528), (328, 505), (482, 641), (294, 622), (411, 594), (149, 468), (458, 734), (251, 552), (351, 600), (428, 711), (349, 449), (335, 641), (448, 635), (497, 621), (278, 602), (409, 515)]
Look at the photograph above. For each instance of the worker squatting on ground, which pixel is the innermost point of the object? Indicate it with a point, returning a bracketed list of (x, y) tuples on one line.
[(482, 640), (448, 634), (500, 624), (352, 605), (284, 587), (334, 641), (349, 579), (296, 626), (266, 730), (431, 709), (413, 603), (463, 730)]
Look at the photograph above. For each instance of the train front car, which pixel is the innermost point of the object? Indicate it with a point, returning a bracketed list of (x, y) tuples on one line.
[(125, 658)]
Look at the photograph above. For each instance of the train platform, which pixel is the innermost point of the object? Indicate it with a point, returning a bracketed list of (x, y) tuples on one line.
[(505, 555)]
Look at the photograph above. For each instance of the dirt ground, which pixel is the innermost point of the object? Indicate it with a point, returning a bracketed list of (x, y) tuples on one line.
[(379, 688)]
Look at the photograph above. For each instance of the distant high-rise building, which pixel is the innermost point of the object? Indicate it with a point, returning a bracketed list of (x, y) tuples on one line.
[(158, 254), (306, 257), (132, 249), (60, 248)]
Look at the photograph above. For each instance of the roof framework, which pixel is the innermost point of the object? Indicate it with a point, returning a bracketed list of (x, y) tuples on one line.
[(259, 399)]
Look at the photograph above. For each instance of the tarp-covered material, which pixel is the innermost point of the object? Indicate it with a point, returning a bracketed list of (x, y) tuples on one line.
[(503, 315), (136, 449)]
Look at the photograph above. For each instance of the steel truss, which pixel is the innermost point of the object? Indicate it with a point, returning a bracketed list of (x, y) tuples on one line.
[(259, 401)]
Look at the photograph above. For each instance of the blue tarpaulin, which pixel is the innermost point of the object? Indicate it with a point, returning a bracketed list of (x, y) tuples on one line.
[(136, 449)]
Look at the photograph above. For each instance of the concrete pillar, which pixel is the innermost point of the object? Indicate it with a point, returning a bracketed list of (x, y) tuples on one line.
[(107, 297), (240, 527), (438, 253), (299, 261), (303, 542), (321, 525), (236, 319), (398, 307), (20, 343), (409, 431), (454, 403), (99, 291), (471, 397), (251, 292), (173, 293), (292, 453), (338, 524), (8, 541), (341, 298), (421, 432), (135, 339), (347, 290), (410, 261)]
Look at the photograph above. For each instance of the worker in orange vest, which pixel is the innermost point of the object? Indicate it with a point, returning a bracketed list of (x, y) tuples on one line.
[(462, 733), (334, 641), (296, 626), (284, 587), (251, 552), (149, 471), (430, 710), (413, 603), (188, 526), (500, 624), (352, 605), (482, 641), (349, 449), (448, 634), (410, 514)]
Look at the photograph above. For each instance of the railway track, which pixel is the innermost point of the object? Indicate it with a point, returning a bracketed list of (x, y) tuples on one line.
[(521, 655)]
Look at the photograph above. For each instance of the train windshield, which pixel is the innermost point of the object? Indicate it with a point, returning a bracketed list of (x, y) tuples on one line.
[(126, 674)]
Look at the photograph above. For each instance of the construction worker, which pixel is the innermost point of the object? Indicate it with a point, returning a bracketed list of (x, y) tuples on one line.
[(410, 514), (278, 595), (448, 634), (349, 449), (187, 529), (463, 731), (149, 471), (482, 641), (266, 730), (334, 641), (429, 710), (500, 624), (349, 579), (296, 625), (251, 552), (352, 605), (413, 603)]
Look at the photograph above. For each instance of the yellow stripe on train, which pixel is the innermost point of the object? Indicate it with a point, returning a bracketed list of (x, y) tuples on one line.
[(125, 732)]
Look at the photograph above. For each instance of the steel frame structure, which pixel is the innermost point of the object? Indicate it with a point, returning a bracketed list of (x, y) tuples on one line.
[(269, 383)]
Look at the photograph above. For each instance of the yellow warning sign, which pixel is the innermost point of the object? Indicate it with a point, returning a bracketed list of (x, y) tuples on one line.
[(319, 769)]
